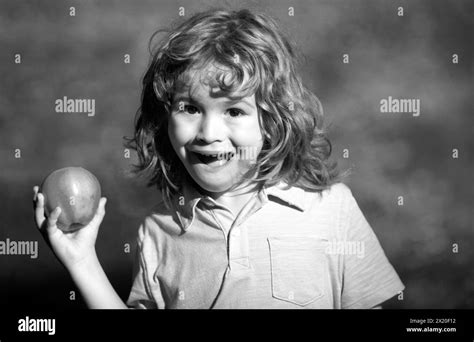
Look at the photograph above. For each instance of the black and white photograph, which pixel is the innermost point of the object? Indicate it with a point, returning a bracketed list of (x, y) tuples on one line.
[(249, 157)]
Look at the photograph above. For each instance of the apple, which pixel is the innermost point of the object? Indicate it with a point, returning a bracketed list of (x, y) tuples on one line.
[(76, 191)]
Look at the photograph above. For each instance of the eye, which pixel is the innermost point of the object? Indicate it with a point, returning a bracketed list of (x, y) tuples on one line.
[(235, 112), (190, 109)]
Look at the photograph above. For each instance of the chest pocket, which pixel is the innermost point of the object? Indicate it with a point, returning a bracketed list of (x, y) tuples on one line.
[(299, 268)]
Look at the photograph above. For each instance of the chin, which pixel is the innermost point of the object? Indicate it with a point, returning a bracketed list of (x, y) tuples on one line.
[(213, 186)]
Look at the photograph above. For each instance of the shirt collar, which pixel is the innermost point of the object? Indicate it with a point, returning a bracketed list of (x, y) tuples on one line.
[(291, 196), (187, 200)]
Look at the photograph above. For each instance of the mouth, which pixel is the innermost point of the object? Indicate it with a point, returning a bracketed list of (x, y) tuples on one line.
[(213, 159)]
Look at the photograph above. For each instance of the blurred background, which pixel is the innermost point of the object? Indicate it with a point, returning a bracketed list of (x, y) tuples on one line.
[(391, 154)]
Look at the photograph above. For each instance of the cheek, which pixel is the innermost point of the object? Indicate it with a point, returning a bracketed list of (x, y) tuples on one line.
[(179, 132), (250, 134)]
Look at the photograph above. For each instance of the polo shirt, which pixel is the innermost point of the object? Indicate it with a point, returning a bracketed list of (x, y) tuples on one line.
[(287, 249)]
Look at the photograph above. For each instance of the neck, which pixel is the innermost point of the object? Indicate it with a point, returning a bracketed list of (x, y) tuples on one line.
[(234, 199)]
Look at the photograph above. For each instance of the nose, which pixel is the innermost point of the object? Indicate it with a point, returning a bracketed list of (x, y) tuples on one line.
[(211, 129)]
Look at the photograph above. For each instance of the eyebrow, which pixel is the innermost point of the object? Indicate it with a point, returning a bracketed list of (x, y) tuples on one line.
[(184, 97)]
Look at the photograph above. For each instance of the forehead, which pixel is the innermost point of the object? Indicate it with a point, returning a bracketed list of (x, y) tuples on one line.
[(214, 81)]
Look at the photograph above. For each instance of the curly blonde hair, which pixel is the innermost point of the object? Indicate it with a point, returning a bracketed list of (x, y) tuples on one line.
[(295, 150)]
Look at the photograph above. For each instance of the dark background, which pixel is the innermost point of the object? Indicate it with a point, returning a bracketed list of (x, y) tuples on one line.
[(392, 154)]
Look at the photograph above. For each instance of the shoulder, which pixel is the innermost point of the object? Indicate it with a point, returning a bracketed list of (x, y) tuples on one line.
[(338, 195), (339, 191), (334, 205), (322, 212), (329, 201), (341, 198)]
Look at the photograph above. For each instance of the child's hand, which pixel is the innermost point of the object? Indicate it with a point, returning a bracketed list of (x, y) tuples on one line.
[(72, 249)]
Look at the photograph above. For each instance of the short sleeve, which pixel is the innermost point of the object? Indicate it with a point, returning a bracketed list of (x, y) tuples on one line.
[(142, 295), (368, 278)]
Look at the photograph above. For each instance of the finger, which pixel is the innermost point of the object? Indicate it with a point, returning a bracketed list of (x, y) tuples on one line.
[(51, 226), (100, 213), (35, 192), (39, 210)]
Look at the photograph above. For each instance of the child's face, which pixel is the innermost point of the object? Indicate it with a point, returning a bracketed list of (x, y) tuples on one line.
[(204, 122)]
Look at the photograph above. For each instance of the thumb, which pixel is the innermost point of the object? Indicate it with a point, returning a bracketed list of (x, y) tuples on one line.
[(51, 226), (100, 213)]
